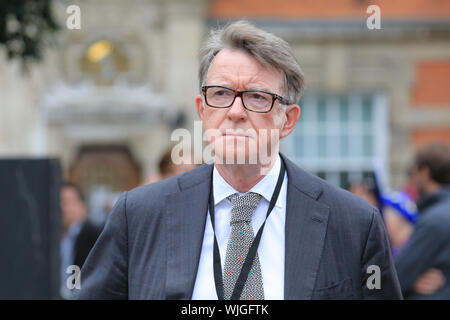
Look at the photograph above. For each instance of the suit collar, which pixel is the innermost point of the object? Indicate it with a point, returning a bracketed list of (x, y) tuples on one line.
[(265, 187), (195, 177), (302, 180)]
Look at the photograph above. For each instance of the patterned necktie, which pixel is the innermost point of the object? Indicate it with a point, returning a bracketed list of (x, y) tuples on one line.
[(241, 238)]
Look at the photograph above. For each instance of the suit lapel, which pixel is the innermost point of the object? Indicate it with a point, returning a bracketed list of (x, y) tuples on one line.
[(306, 224), (184, 228)]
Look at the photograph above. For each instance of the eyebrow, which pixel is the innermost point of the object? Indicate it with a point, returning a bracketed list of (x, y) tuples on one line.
[(260, 89)]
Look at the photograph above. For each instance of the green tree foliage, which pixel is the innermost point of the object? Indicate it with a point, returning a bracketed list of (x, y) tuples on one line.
[(24, 25)]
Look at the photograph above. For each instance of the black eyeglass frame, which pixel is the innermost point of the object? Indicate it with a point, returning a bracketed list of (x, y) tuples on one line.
[(238, 93)]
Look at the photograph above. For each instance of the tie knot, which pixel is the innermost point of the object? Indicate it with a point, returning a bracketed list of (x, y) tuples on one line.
[(243, 206)]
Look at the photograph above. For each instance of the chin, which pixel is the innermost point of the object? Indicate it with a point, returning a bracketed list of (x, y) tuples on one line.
[(235, 156), (231, 150)]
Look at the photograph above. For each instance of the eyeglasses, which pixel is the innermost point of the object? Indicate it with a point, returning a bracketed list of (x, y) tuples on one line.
[(252, 100)]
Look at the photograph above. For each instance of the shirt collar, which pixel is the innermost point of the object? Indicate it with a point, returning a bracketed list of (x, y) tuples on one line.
[(264, 187)]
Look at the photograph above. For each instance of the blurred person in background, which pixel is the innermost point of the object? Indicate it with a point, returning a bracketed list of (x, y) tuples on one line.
[(167, 168), (78, 233), (397, 208), (423, 265), (399, 215), (364, 189)]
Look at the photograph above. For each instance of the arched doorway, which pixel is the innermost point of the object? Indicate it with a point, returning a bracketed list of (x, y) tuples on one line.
[(103, 173)]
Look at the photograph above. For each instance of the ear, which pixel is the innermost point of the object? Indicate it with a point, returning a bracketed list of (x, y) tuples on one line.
[(199, 106), (292, 114)]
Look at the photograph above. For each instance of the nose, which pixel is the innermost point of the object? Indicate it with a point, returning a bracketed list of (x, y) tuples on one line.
[(237, 111)]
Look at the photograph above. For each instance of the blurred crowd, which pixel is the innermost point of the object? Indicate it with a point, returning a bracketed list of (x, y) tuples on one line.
[(417, 221), (80, 230)]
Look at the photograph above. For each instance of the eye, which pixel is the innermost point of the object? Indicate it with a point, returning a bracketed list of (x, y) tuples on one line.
[(220, 92), (257, 96)]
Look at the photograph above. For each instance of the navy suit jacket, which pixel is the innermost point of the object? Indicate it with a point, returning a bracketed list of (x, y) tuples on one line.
[(151, 244)]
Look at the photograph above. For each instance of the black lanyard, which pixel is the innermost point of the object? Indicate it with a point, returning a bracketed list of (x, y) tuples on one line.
[(243, 275)]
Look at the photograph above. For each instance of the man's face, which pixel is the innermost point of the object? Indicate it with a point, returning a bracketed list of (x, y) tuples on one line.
[(420, 176), (237, 127), (72, 207)]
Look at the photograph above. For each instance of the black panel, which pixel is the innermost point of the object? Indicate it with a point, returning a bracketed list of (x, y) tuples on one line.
[(29, 228)]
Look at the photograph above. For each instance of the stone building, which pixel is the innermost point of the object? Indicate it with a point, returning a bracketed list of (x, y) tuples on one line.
[(107, 96)]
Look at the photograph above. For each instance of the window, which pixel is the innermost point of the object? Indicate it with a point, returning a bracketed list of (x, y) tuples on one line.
[(340, 138)]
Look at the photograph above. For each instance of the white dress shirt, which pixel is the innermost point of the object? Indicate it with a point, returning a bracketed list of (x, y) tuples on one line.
[(271, 246)]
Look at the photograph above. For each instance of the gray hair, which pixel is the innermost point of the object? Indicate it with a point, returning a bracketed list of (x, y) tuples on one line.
[(268, 49)]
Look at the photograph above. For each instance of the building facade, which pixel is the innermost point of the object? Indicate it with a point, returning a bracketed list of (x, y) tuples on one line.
[(106, 97)]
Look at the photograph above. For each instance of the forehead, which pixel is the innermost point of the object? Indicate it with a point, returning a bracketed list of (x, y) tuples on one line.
[(241, 70)]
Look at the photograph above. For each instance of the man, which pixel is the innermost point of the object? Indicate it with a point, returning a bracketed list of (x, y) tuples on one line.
[(177, 240), (423, 265), (78, 234)]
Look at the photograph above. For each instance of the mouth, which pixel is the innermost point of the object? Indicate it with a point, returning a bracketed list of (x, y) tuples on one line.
[(232, 133), (235, 135)]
